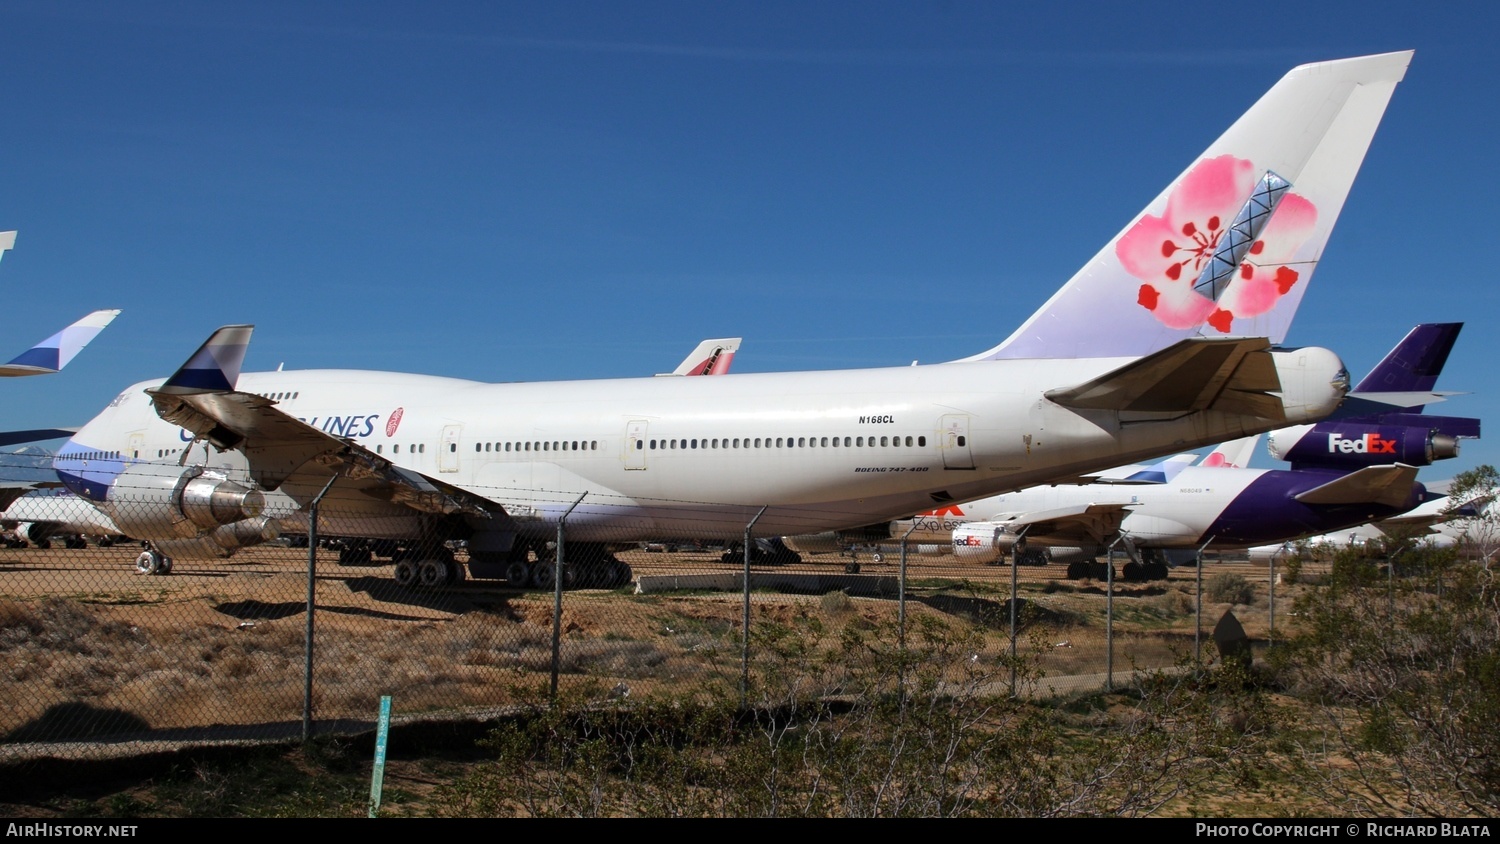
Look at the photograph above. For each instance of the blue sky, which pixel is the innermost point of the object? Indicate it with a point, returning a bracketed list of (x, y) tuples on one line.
[(529, 191)]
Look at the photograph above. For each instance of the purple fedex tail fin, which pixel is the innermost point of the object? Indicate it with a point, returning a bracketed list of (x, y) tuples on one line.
[(1229, 247), (1382, 422), (1414, 365)]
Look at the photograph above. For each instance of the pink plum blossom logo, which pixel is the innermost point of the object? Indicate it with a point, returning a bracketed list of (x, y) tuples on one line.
[(1168, 252), (394, 422)]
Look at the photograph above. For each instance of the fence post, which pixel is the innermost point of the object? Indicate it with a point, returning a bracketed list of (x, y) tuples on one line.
[(1015, 585), (745, 632), (312, 591), (901, 612), (558, 562), (1198, 610)]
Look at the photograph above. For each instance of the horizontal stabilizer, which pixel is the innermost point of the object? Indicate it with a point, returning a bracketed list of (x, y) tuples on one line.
[(1230, 375), (1388, 485)]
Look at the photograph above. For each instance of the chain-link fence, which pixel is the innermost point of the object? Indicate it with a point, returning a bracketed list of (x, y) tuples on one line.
[(108, 647)]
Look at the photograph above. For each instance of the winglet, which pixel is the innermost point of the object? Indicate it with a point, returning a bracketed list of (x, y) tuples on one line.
[(7, 242), (215, 367), (53, 353)]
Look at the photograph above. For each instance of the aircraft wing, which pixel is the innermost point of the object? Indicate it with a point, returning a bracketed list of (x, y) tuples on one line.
[(1084, 524), (35, 435), (1232, 375), (1389, 485), (53, 353), (201, 398)]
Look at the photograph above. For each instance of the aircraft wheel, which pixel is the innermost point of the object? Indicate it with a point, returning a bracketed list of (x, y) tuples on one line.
[(619, 574), (852, 568), (164, 566), (876, 557), (1134, 572), (455, 572), (405, 573), (147, 562), (431, 573), (518, 574), (1080, 571), (543, 576)]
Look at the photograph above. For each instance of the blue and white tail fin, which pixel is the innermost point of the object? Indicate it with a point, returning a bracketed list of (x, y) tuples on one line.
[(215, 367), (53, 353), (1229, 247)]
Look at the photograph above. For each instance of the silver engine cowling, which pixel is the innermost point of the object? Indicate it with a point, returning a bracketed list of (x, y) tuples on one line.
[(161, 503)]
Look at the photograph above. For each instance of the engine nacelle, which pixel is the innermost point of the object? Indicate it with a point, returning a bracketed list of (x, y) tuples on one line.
[(1353, 445), (157, 502), (982, 542), (222, 541)]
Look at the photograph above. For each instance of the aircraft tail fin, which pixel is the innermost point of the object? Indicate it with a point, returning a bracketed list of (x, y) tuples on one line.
[(54, 353), (1234, 454), (215, 367), (1228, 248), (1405, 377), (712, 357)]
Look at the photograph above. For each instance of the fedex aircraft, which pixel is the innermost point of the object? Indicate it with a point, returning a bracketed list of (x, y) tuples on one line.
[(1166, 339), (1332, 487)]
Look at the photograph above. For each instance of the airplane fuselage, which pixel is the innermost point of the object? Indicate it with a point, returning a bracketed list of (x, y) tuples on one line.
[(667, 457)]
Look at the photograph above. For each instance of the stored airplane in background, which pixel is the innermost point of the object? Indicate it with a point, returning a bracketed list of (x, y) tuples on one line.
[(1334, 486), (43, 515), (53, 353), (1165, 340), (712, 357), (1439, 523)]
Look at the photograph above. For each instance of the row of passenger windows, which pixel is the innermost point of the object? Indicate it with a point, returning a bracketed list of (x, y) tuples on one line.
[(554, 445), (95, 455), (788, 442), (279, 396), (417, 448)]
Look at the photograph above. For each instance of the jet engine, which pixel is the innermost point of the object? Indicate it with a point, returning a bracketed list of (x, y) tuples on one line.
[(222, 541), (982, 542), (162, 503), (1354, 445)]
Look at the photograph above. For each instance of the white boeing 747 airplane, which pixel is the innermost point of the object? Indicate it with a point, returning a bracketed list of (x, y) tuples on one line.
[(1165, 340)]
